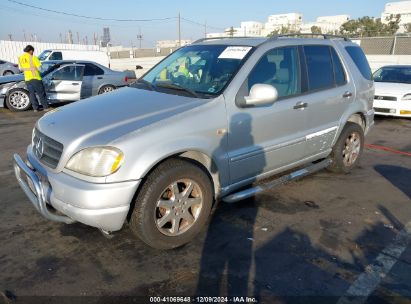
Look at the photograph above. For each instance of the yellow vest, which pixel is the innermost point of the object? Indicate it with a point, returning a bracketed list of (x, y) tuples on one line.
[(30, 66)]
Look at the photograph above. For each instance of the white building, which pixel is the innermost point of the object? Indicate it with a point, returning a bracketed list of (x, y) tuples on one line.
[(291, 21), (172, 43), (402, 8), (327, 24)]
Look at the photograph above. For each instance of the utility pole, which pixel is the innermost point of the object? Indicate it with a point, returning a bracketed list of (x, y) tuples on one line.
[(24, 35), (95, 38), (61, 38), (86, 40), (179, 29), (139, 37), (10, 37), (205, 29), (78, 38)]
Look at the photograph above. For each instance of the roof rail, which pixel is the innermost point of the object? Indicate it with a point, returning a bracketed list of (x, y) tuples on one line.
[(324, 36), (224, 37)]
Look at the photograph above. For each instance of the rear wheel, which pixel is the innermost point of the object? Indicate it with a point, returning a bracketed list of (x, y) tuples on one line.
[(348, 148), (106, 89), (18, 100), (173, 205)]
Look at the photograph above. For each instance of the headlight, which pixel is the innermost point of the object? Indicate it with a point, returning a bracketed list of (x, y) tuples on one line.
[(3, 90), (407, 97), (96, 161)]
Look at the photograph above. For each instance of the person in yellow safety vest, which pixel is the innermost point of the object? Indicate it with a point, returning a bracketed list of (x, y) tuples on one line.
[(30, 66)]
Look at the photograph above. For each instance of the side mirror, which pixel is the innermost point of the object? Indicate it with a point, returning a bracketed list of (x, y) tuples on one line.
[(139, 67), (261, 95)]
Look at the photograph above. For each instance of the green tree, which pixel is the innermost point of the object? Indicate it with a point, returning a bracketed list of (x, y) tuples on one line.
[(316, 30), (371, 27)]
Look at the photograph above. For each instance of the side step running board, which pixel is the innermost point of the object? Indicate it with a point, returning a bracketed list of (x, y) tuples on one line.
[(238, 196)]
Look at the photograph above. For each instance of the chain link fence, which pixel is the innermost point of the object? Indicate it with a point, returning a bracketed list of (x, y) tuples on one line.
[(398, 45)]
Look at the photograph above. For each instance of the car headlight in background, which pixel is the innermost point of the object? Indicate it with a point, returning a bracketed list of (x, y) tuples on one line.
[(407, 97), (96, 161)]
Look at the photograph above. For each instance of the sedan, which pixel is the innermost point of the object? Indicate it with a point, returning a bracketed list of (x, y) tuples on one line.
[(8, 68), (393, 91), (64, 81)]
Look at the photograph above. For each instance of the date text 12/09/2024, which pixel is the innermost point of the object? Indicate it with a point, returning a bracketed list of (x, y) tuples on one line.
[(199, 299)]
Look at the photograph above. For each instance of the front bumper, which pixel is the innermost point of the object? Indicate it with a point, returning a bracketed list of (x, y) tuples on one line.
[(104, 206), (399, 108)]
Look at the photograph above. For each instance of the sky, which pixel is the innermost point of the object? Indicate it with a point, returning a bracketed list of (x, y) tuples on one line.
[(218, 14)]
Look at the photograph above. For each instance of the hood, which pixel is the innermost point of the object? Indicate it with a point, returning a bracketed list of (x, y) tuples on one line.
[(104, 118), (391, 88), (11, 78)]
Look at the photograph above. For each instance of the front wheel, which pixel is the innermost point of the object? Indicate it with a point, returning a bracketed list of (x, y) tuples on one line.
[(173, 205), (7, 73), (348, 148), (18, 100)]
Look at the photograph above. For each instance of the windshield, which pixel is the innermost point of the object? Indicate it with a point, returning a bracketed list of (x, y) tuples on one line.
[(197, 69), (393, 74), (44, 55)]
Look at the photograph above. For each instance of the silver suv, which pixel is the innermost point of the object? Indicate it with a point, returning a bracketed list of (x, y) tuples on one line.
[(210, 120)]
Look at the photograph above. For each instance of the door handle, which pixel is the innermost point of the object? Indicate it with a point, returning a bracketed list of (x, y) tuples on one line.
[(300, 105), (100, 77), (347, 94), (75, 83)]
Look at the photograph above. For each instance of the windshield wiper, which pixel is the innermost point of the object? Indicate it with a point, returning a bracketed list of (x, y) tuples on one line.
[(147, 83), (174, 86)]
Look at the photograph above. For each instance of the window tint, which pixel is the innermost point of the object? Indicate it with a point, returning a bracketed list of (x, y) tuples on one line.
[(338, 68), (279, 68), (92, 70), (70, 73), (358, 56), (56, 56), (320, 68)]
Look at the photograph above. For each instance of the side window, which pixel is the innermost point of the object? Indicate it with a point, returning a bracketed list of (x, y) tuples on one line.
[(358, 56), (279, 68), (69, 73), (320, 68), (56, 56), (92, 70), (338, 69)]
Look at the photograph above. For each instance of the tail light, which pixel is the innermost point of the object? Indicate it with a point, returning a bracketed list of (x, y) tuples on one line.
[(126, 79)]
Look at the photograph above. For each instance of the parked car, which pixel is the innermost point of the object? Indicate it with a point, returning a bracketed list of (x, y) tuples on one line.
[(206, 122), (8, 68), (99, 57), (64, 81), (393, 91)]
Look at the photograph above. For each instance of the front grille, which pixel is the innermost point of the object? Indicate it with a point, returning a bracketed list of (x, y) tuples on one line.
[(382, 110), (46, 149), (380, 97)]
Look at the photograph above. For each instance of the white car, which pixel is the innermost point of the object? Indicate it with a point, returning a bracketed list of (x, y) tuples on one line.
[(393, 91)]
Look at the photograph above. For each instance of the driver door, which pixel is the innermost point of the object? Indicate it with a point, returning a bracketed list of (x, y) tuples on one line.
[(65, 83)]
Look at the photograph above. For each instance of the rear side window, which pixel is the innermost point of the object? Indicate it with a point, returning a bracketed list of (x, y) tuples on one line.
[(358, 56), (56, 56), (338, 69), (320, 68), (92, 70)]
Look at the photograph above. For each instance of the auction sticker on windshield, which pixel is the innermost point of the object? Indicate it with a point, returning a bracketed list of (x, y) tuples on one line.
[(235, 52)]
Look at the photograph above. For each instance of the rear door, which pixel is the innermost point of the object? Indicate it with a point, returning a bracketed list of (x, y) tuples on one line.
[(93, 79), (65, 83), (329, 93)]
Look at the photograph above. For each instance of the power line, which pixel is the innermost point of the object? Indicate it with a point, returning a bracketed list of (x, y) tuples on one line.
[(89, 17), (202, 24)]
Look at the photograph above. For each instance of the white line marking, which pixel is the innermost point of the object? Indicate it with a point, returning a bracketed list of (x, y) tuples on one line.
[(366, 283)]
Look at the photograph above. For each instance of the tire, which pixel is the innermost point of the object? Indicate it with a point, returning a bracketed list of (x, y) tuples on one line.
[(8, 73), (348, 149), (158, 191), (18, 100), (106, 89)]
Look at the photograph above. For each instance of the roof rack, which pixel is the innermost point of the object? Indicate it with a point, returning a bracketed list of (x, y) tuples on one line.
[(324, 36), (224, 37)]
